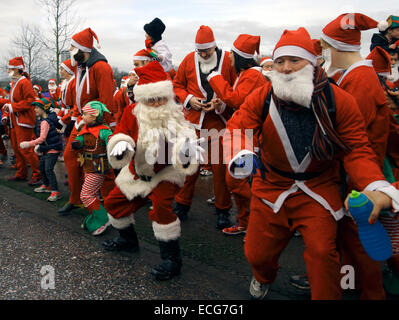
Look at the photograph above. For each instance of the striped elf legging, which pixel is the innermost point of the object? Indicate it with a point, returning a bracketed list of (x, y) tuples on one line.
[(391, 225), (90, 188)]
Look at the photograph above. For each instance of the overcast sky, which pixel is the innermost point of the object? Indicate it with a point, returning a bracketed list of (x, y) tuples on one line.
[(119, 23)]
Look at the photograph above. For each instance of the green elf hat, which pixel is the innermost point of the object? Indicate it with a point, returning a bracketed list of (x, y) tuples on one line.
[(391, 23), (44, 103), (95, 108)]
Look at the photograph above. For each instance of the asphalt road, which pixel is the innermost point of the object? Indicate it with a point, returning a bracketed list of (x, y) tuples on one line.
[(34, 236)]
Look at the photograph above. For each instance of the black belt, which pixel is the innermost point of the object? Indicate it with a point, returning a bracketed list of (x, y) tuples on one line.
[(302, 176)]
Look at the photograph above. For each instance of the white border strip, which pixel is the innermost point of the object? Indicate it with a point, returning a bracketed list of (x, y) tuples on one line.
[(342, 46)]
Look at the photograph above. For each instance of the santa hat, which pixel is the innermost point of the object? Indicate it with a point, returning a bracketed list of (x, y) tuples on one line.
[(204, 38), (153, 82), (37, 87), (246, 45), (390, 23), (381, 61), (124, 81), (52, 81), (264, 60), (142, 55), (296, 43), (317, 47), (155, 29), (16, 63), (67, 66), (83, 40), (344, 33)]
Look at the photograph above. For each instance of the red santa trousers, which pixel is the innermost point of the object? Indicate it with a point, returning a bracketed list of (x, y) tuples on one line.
[(268, 234), (368, 272), (75, 173), (23, 157), (241, 191), (222, 194), (118, 206)]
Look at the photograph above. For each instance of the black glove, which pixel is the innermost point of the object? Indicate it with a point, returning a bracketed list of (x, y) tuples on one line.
[(75, 145), (58, 125), (69, 128)]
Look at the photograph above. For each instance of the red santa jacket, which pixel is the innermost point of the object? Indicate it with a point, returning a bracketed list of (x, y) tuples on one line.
[(234, 96), (277, 151), (121, 101), (187, 83), (68, 98), (135, 165), (21, 97), (55, 95), (361, 81), (94, 82)]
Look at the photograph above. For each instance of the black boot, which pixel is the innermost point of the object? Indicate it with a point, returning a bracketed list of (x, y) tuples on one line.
[(223, 219), (127, 241), (181, 210), (171, 261)]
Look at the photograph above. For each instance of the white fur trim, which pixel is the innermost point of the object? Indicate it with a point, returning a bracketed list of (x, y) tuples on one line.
[(212, 74), (121, 223), (203, 46), (132, 187), (63, 65), (193, 165), (79, 46), (377, 185), (151, 90), (393, 193), (141, 58), (167, 232), (242, 53), (339, 45), (127, 156), (383, 25), (295, 51), (187, 100), (36, 150), (266, 60)]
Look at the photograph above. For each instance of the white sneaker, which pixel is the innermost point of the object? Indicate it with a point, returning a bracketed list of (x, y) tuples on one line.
[(54, 196), (257, 290), (101, 229), (42, 188)]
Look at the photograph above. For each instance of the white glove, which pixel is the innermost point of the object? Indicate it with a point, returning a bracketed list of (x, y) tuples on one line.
[(120, 148), (7, 107), (24, 145), (191, 150), (243, 166), (36, 149)]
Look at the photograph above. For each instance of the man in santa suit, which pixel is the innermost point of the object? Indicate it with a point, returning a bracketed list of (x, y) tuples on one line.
[(195, 93), (249, 78), (21, 120), (121, 100), (94, 80), (54, 92), (68, 95), (155, 148), (305, 127), (340, 41)]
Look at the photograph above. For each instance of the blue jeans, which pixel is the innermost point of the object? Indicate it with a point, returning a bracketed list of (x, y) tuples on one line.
[(46, 167)]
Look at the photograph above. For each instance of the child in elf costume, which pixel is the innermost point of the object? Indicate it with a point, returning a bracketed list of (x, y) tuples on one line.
[(92, 139)]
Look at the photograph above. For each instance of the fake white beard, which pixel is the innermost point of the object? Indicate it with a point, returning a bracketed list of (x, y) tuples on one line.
[(12, 76), (295, 87), (266, 73), (207, 65), (157, 125), (72, 53), (52, 88)]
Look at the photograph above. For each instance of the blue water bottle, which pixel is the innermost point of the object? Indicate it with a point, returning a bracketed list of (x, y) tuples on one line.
[(373, 237)]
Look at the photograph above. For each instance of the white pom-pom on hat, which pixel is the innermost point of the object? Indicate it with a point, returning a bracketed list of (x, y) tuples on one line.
[(383, 25)]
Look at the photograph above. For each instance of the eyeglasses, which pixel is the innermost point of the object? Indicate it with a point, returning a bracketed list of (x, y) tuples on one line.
[(152, 101), (207, 51)]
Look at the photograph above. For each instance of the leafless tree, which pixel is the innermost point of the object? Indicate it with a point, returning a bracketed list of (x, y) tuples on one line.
[(63, 22), (28, 44)]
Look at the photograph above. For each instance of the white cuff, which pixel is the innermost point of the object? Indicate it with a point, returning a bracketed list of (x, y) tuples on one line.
[(62, 123), (222, 110), (187, 101), (74, 118), (239, 155), (211, 75), (393, 193), (376, 185)]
